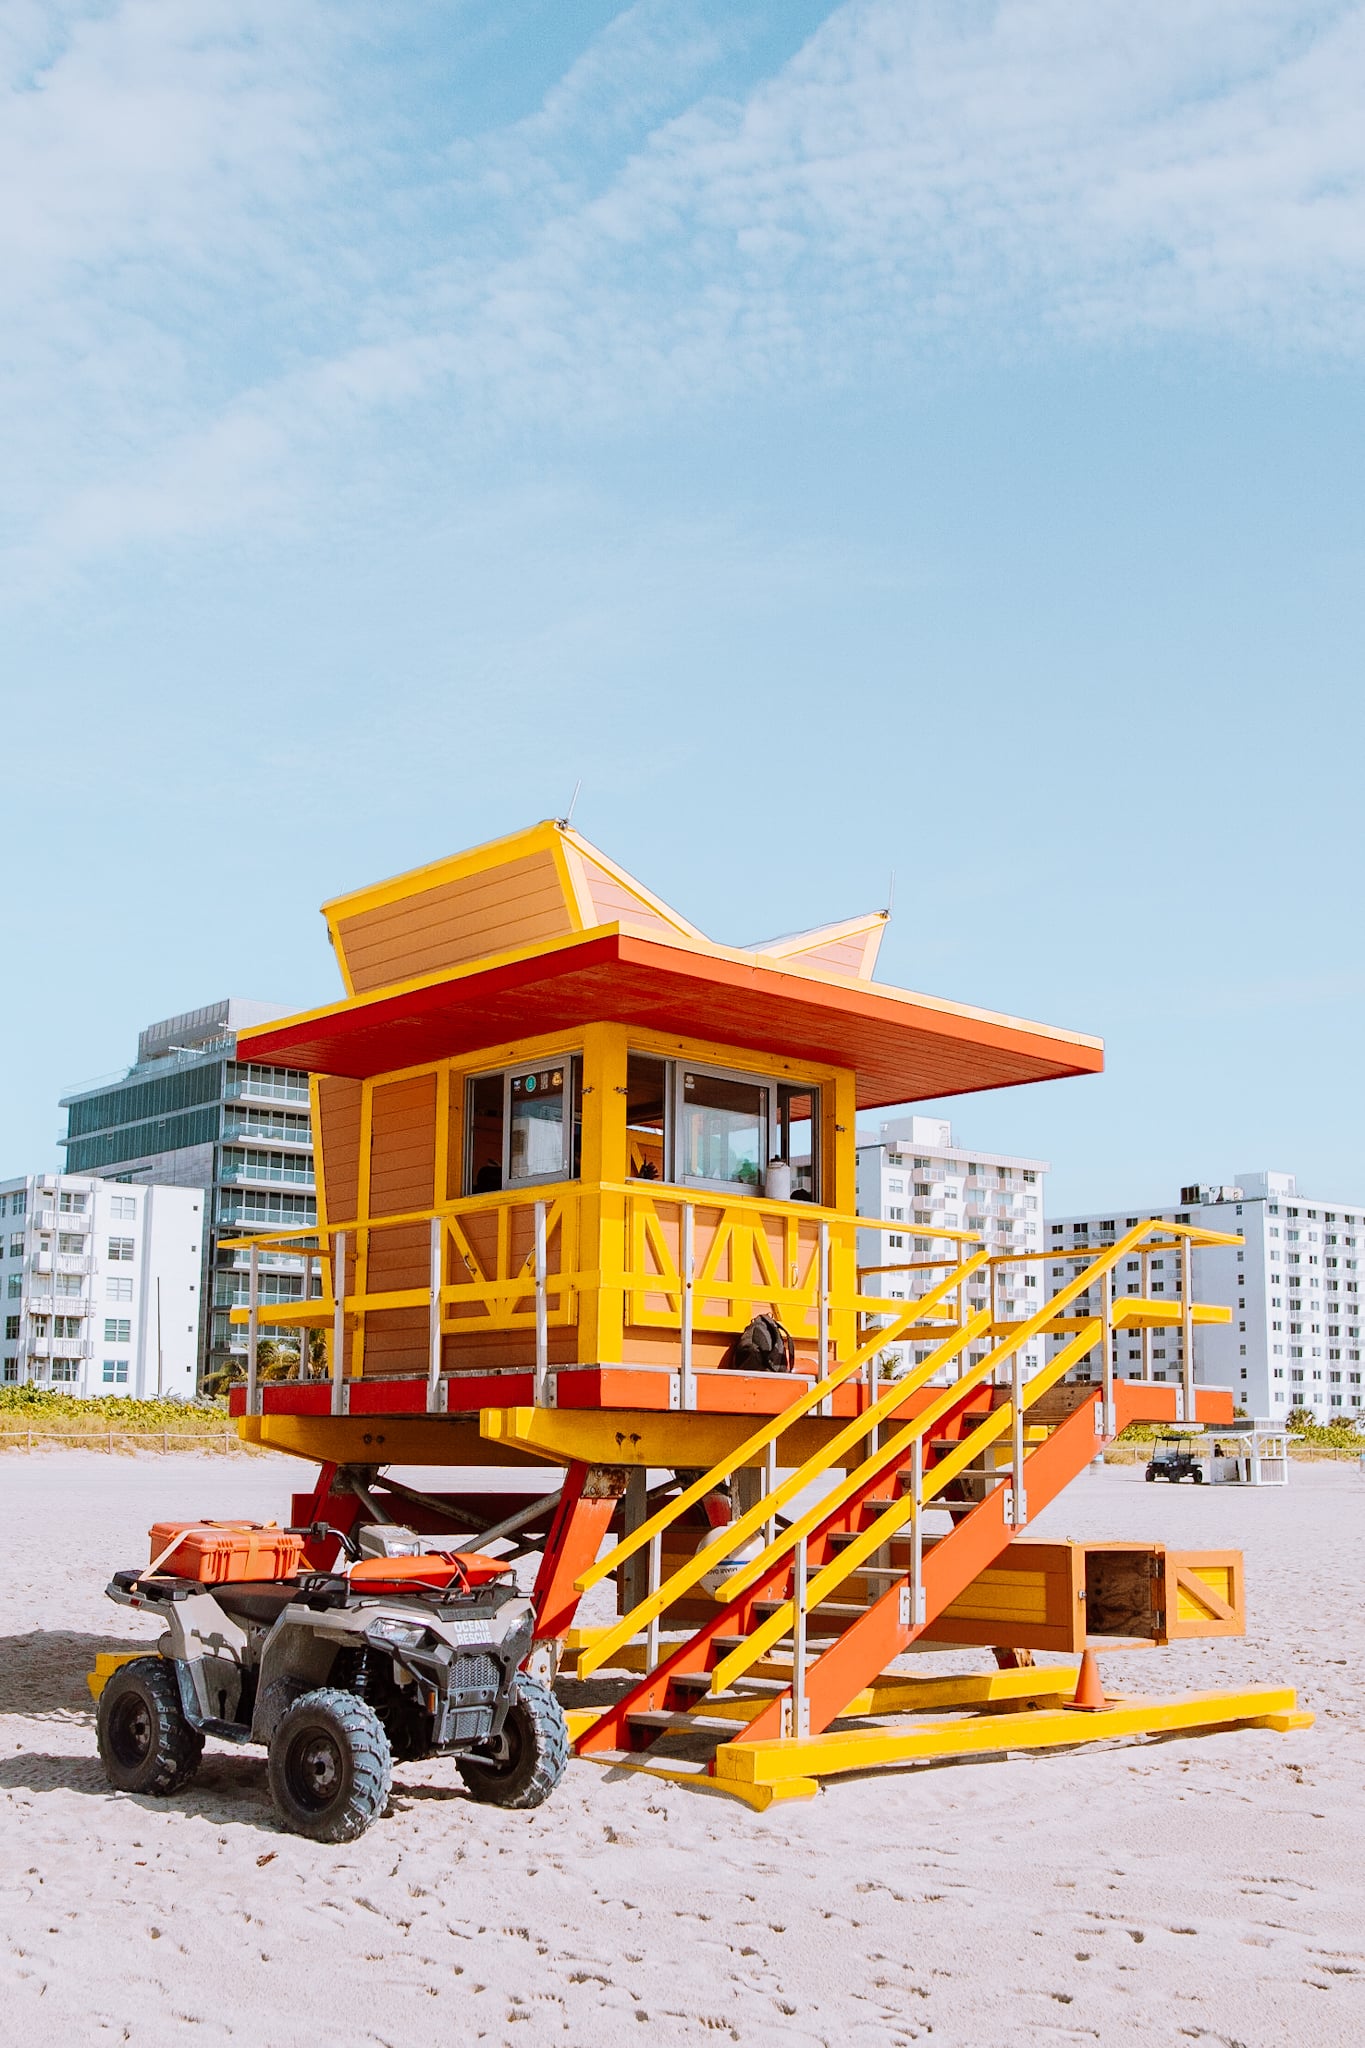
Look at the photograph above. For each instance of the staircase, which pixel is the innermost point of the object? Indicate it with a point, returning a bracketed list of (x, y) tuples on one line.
[(921, 1493)]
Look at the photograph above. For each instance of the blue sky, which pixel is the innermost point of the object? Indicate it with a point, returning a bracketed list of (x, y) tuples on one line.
[(849, 438)]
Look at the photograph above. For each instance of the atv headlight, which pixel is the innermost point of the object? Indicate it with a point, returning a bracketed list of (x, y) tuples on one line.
[(395, 1635)]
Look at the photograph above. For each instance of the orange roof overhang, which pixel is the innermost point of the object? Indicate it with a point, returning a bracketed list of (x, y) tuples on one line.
[(902, 1047)]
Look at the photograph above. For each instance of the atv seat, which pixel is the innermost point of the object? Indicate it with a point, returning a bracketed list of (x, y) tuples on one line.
[(262, 1602)]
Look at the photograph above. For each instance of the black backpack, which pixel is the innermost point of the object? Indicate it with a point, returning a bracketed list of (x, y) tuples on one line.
[(764, 1346)]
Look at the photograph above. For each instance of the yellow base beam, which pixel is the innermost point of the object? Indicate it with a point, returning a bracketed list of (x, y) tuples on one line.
[(385, 1440), (759, 1797), (860, 1749), (646, 1436), (107, 1663)]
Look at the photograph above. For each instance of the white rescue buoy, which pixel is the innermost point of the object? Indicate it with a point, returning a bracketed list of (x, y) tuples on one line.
[(716, 1582)]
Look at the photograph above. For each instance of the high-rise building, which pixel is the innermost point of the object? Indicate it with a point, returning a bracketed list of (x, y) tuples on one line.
[(190, 1112), (101, 1285), (913, 1172), (1293, 1288)]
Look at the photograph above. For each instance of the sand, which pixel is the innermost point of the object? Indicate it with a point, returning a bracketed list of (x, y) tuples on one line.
[(1207, 1889)]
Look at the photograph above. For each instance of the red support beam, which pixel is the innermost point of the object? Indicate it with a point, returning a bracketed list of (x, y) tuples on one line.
[(587, 1503)]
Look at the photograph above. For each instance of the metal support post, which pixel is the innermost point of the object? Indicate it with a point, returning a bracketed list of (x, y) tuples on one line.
[(1146, 1281), (542, 1384), (305, 1334), (253, 1320), (339, 1324), (434, 1317), (874, 1434), (824, 1307), (1187, 1329), (655, 1579), (1110, 1417), (915, 1618), (689, 1378), (770, 1488), (1016, 1499), (800, 1705)]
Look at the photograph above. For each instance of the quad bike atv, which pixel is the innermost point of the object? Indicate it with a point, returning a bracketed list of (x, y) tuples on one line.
[(401, 1654)]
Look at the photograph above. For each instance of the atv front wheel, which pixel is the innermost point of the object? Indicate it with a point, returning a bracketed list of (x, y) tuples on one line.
[(522, 1768), (330, 1767), (145, 1742)]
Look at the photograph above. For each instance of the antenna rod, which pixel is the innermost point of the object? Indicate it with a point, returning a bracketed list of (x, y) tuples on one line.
[(567, 819), (891, 893)]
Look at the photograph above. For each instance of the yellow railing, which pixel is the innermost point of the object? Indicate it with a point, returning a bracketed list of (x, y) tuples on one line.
[(517, 1260), (520, 1261)]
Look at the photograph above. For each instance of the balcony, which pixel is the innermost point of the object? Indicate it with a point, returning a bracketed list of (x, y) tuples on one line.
[(248, 1134), (60, 1347), (73, 1262), (242, 1089), (266, 1177)]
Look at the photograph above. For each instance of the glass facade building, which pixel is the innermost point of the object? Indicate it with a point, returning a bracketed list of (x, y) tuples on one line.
[(190, 1113)]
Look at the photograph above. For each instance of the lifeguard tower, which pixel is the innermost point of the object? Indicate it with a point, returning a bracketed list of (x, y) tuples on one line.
[(568, 1150)]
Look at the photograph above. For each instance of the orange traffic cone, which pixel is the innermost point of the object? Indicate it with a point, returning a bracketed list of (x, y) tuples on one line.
[(1089, 1691)]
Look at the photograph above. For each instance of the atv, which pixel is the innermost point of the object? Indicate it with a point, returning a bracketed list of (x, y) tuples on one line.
[(401, 1653)]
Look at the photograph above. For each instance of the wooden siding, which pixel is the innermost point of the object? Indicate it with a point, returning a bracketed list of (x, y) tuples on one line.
[(612, 901), (338, 1148), (403, 1146), (517, 904), (398, 1257)]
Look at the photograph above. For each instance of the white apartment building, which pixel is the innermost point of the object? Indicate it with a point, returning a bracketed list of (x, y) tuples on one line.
[(912, 1172), (1293, 1288), (101, 1285)]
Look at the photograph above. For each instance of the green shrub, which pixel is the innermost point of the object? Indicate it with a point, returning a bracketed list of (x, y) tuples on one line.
[(29, 1407)]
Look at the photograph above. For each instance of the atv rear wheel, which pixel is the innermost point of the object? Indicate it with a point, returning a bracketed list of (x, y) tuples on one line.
[(330, 1767), (145, 1742), (529, 1758)]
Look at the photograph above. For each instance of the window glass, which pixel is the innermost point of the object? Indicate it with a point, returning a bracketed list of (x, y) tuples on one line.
[(536, 1125), (722, 1130), (798, 1113), (485, 1135), (646, 1116), (524, 1126)]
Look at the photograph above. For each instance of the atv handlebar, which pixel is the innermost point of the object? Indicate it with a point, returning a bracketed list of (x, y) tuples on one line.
[(314, 1532)]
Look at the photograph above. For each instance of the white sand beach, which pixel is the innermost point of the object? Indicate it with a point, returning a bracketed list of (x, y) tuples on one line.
[(1208, 1889)]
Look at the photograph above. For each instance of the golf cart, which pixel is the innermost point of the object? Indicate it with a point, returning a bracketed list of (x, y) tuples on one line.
[(398, 1653), (1176, 1458)]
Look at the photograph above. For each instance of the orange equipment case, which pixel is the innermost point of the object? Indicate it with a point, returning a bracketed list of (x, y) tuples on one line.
[(222, 1553)]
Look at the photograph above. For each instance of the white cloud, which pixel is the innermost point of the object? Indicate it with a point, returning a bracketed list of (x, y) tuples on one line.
[(221, 282)]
